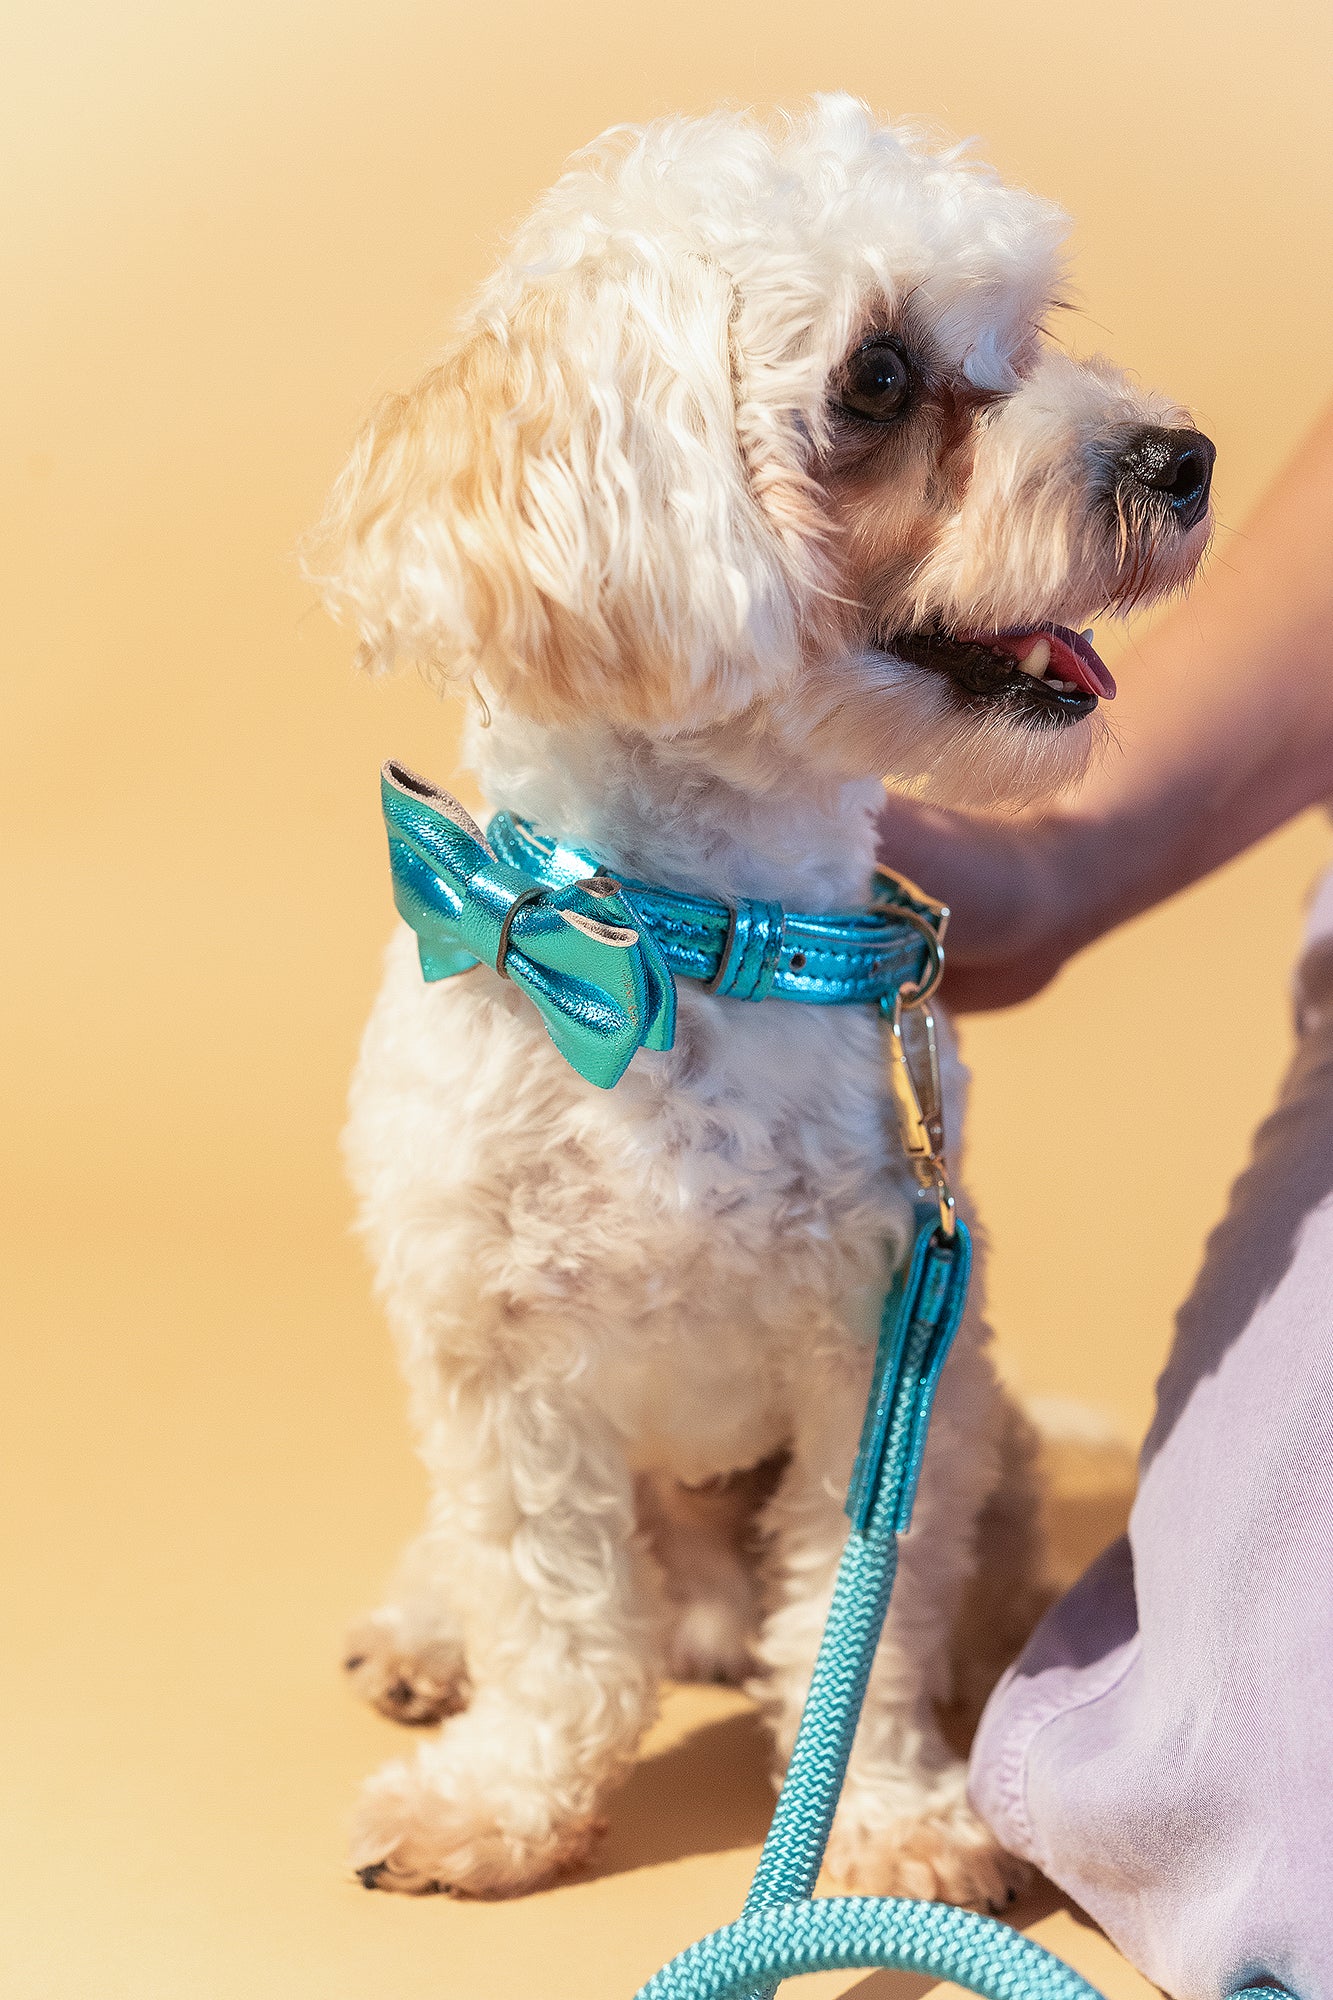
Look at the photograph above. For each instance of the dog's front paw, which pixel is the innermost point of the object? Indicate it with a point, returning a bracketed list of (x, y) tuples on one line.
[(943, 1853), (451, 1823), (409, 1672)]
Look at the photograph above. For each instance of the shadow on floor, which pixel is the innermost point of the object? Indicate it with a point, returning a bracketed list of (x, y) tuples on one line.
[(703, 1796)]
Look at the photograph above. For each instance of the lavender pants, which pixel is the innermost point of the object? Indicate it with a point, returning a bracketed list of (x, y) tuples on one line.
[(1163, 1749)]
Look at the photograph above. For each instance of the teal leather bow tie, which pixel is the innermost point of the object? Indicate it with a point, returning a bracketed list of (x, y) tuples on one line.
[(598, 979), (598, 955)]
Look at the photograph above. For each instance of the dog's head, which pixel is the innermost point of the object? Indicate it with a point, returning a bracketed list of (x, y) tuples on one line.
[(766, 426)]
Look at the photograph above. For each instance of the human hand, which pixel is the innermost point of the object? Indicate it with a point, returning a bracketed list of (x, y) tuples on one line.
[(1010, 885)]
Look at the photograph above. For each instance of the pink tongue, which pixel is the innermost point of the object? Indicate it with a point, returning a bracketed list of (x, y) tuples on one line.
[(1072, 658)]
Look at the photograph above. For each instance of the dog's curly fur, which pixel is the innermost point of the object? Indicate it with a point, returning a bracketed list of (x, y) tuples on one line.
[(626, 509)]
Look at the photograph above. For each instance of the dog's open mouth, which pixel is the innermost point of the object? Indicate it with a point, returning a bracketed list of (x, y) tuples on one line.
[(1039, 673)]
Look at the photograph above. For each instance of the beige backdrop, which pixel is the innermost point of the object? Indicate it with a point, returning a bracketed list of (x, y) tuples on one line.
[(229, 229)]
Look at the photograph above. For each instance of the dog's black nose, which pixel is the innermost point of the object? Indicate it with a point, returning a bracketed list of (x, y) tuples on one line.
[(1178, 465)]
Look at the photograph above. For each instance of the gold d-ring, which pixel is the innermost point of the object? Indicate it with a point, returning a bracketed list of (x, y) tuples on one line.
[(932, 928), (910, 993)]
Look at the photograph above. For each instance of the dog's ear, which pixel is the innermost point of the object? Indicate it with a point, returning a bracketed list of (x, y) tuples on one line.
[(563, 508)]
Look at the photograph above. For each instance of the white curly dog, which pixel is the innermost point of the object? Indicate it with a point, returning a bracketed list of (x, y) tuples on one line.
[(750, 480)]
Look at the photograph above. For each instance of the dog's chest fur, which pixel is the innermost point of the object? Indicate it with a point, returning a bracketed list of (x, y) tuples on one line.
[(687, 1241)]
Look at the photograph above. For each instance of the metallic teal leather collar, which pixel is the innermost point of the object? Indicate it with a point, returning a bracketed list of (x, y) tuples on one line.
[(749, 950), (597, 955)]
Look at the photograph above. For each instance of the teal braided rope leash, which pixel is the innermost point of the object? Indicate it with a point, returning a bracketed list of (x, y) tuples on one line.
[(850, 1933), (782, 1932)]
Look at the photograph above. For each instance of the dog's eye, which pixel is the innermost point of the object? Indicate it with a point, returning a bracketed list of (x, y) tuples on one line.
[(877, 381)]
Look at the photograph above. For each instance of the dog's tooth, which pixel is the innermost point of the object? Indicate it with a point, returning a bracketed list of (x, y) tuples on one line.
[(1058, 687), (1037, 660), (1086, 636)]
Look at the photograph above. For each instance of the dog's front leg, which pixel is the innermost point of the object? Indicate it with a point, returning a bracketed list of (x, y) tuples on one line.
[(406, 1657), (904, 1826), (534, 1499)]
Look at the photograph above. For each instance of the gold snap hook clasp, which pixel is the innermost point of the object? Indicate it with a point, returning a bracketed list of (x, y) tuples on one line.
[(920, 1107), (914, 1072)]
